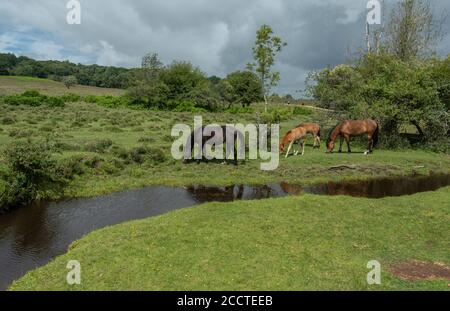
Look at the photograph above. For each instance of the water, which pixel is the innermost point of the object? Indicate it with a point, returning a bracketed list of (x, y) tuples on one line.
[(30, 237)]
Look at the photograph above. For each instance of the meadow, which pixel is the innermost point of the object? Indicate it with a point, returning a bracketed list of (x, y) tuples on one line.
[(306, 242)]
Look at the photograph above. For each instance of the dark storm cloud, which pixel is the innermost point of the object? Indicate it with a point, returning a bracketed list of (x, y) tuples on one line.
[(215, 35)]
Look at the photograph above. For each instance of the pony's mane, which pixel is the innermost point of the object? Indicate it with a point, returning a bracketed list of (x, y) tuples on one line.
[(331, 132)]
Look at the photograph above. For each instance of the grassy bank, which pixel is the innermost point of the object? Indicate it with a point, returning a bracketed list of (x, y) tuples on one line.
[(296, 243)]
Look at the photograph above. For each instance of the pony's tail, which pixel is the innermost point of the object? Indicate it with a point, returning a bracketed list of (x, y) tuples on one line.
[(375, 135), (318, 134)]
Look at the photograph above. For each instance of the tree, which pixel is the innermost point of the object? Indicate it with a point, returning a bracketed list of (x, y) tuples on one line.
[(267, 45), (394, 92), (246, 87), (70, 81), (7, 63), (413, 31), (151, 61)]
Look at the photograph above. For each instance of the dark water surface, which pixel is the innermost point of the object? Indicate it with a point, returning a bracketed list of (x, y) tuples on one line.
[(30, 237)]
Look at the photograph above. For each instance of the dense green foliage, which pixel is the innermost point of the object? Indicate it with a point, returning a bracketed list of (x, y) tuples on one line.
[(394, 92), (92, 75), (179, 86), (184, 88), (35, 99), (31, 173)]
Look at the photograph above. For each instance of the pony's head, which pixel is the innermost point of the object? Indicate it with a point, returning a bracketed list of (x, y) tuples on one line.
[(330, 146), (282, 147), (331, 139)]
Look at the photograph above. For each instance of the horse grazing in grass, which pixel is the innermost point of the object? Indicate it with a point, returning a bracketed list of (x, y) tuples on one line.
[(214, 135), (299, 134), (314, 130), (350, 128)]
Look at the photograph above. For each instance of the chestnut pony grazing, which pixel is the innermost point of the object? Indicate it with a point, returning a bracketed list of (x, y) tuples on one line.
[(299, 134), (349, 128), (314, 130)]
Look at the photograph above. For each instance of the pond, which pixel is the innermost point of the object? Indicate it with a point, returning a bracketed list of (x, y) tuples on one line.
[(31, 236)]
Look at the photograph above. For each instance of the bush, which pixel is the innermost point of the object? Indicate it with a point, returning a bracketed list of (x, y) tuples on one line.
[(19, 133), (184, 106), (108, 101), (238, 109), (99, 146), (70, 98), (302, 111), (32, 174), (7, 121), (141, 155), (70, 167), (34, 99), (392, 91)]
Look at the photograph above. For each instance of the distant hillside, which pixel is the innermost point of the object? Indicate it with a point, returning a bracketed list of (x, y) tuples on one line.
[(14, 85)]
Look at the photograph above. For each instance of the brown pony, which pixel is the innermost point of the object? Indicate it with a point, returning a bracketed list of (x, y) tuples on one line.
[(350, 128), (314, 130), (299, 133)]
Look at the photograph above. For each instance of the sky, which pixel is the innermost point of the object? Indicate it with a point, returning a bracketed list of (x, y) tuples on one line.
[(215, 35)]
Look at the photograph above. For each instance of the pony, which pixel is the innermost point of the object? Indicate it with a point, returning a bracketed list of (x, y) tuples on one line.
[(314, 130), (216, 135), (352, 128), (299, 134)]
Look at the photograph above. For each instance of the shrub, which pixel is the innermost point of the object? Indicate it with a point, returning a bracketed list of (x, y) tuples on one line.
[(302, 111), (32, 174), (70, 167), (99, 146), (7, 121), (146, 139), (34, 99), (70, 98), (19, 133), (238, 109), (141, 155), (108, 101)]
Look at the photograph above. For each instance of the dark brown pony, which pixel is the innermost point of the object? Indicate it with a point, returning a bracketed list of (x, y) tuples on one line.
[(350, 128), (227, 135)]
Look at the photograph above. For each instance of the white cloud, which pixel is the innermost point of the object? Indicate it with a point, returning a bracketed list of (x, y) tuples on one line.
[(45, 50)]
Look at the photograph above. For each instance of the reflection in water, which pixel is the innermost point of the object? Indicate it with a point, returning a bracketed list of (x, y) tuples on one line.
[(30, 237), (384, 187), (203, 194)]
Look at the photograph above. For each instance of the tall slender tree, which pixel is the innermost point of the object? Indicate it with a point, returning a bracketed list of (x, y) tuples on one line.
[(267, 45), (413, 30)]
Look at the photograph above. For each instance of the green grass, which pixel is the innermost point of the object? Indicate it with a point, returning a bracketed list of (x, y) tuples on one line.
[(16, 85), (296, 243)]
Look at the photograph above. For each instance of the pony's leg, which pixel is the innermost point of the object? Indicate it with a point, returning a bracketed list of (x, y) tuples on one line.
[(347, 140), (370, 146), (289, 149), (318, 142), (341, 140), (303, 147), (299, 146)]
